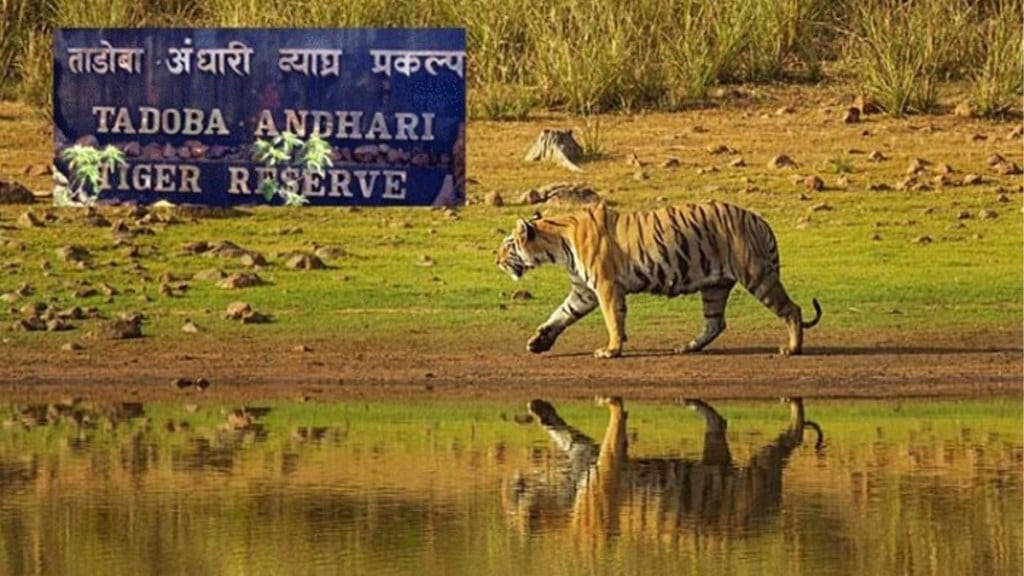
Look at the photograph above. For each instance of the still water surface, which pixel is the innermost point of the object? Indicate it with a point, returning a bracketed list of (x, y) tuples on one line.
[(897, 488)]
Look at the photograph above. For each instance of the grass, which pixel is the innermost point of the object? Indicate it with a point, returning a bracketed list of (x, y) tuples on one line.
[(584, 57), (862, 258)]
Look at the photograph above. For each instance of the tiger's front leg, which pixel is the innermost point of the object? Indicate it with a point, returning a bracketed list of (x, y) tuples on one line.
[(613, 307), (580, 302)]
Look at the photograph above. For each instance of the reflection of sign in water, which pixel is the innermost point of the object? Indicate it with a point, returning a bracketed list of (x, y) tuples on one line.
[(186, 105)]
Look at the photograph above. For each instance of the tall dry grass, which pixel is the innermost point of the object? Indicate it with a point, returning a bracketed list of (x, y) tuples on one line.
[(589, 56)]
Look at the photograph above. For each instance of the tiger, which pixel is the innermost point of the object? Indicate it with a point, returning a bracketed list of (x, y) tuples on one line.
[(596, 486), (706, 248)]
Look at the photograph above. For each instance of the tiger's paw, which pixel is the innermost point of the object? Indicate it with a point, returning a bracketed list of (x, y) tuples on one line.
[(690, 346), (607, 352), (542, 341)]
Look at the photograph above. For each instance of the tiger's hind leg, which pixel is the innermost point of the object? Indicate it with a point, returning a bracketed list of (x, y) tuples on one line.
[(715, 298), (772, 294)]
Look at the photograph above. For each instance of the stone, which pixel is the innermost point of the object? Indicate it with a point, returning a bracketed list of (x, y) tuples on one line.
[(782, 161), (304, 262), (209, 275), (813, 183), (30, 220), (240, 280), (493, 198), (15, 193)]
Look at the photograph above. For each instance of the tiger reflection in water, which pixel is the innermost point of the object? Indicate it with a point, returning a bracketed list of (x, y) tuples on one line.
[(600, 491)]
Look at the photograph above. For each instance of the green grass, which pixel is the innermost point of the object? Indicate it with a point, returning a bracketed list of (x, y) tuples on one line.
[(380, 288)]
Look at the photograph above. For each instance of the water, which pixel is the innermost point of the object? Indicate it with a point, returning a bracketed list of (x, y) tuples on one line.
[(897, 488)]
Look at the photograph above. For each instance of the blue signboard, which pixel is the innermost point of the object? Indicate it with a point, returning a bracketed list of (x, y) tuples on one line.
[(188, 109)]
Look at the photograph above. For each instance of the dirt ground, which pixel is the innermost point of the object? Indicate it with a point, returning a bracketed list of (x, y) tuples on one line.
[(876, 366)]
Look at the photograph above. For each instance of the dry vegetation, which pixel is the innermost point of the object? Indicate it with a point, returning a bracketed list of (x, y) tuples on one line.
[(588, 57)]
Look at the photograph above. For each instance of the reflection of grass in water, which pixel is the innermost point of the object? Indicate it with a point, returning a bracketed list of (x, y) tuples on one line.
[(411, 477), (422, 425)]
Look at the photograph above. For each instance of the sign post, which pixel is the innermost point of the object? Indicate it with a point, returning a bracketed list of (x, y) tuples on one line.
[(186, 108)]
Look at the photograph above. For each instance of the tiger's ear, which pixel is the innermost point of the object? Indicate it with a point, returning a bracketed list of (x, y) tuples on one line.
[(526, 229)]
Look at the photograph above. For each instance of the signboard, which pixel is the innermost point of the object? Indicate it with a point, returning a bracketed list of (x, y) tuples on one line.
[(186, 108)]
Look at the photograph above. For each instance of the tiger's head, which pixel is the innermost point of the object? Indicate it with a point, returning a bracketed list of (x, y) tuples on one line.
[(523, 249)]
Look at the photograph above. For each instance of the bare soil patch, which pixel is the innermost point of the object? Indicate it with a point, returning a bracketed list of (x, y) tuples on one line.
[(875, 366)]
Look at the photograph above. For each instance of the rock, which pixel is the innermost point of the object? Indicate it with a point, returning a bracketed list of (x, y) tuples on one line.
[(923, 240), (240, 280), (202, 384), (943, 169), (15, 193), (96, 219), (558, 146), (72, 313), (917, 165), (127, 327), (209, 275), (995, 160), (633, 160), (71, 347), (493, 198), (784, 110), (1016, 133), (190, 327), (225, 249), (304, 262), (30, 220), (426, 261), (876, 156), (821, 207), (182, 383), (842, 182), (522, 295), (672, 162), (255, 318), (57, 325), (782, 161), (252, 260), (851, 116), (963, 215), (978, 137), (879, 187), (718, 149), (119, 227), (236, 310), (1008, 169), (72, 254), (813, 183), (640, 176), (328, 252), (30, 324), (1003, 198), (988, 214), (737, 163), (867, 105), (85, 292)]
